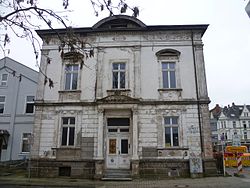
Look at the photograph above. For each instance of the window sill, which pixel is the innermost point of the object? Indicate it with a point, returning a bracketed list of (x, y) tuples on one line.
[(29, 114), (119, 92), (170, 93), (170, 89), (173, 152), (69, 95), (24, 153), (5, 115), (174, 148), (67, 147), (69, 91)]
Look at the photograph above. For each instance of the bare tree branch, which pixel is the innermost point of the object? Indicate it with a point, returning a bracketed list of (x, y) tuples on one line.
[(21, 16)]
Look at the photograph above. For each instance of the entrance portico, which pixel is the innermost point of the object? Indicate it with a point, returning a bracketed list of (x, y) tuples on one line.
[(117, 136)]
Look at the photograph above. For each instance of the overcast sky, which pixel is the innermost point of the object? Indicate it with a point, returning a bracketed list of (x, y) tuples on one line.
[(226, 41)]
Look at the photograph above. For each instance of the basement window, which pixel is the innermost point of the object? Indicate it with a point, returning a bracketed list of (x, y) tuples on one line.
[(65, 171)]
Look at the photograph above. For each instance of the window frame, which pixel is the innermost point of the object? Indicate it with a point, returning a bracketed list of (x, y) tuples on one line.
[(26, 139), (245, 135), (234, 124), (4, 81), (68, 126), (119, 71), (29, 102), (168, 71), (71, 72), (171, 125), (3, 103)]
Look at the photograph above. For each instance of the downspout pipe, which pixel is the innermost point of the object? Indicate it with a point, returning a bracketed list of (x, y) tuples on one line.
[(197, 92)]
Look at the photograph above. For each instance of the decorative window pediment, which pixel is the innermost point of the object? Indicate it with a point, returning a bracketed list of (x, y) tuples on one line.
[(73, 57), (168, 54)]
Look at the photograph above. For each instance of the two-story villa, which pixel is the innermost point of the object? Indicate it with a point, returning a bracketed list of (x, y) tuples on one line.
[(140, 105)]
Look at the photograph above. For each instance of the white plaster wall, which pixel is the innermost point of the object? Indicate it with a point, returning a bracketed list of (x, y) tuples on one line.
[(89, 126), (120, 47), (151, 126), (53, 71)]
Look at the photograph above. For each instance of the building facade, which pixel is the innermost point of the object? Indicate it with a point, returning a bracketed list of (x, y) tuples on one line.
[(140, 104), (248, 9), (18, 85), (231, 121)]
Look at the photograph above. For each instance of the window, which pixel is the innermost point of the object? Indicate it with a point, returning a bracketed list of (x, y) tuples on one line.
[(249, 124), (168, 75), (245, 114), (234, 124), (4, 78), (171, 131), (2, 103), (245, 135), (25, 142), (244, 124), (223, 124), (71, 77), (119, 75), (68, 131), (30, 105)]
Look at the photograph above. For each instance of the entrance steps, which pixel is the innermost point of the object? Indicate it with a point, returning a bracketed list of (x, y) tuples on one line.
[(117, 175)]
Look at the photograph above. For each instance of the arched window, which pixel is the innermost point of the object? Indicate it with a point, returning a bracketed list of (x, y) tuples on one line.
[(168, 67), (72, 66)]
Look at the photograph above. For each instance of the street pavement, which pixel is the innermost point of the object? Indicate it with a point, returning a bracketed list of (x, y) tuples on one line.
[(241, 181)]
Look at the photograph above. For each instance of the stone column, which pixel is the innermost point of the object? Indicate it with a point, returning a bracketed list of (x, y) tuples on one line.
[(100, 135), (137, 71), (135, 135), (201, 74), (99, 73), (99, 159), (42, 72), (134, 144)]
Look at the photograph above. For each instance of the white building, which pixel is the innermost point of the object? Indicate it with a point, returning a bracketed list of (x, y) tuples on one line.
[(230, 121), (139, 105), (18, 85)]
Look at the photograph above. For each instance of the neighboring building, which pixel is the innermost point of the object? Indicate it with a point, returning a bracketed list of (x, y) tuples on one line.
[(230, 121), (18, 85), (248, 9), (214, 115), (139, 104)]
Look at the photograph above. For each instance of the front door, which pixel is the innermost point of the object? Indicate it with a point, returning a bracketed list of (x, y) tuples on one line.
[(118, 147)]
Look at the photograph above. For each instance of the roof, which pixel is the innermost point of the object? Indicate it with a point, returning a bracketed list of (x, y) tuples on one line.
[(13, 65), (232, 112), (121, 23)]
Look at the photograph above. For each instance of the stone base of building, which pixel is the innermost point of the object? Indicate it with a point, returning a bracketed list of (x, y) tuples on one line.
[(55, 168), (143, 168), (164, 168), (209, 166)]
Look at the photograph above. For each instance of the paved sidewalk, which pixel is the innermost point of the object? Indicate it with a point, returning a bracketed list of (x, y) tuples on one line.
[(18, 179), (213, 182), (233, 171)]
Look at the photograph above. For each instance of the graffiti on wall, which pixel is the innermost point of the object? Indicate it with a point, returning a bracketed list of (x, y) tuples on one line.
[(195, 162), (193, 129)]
